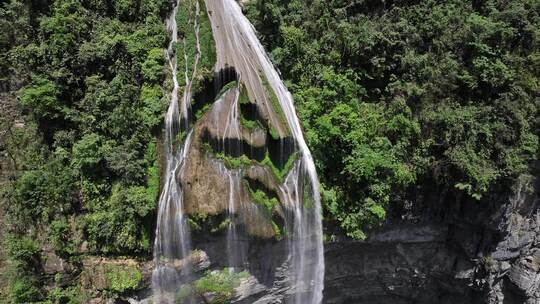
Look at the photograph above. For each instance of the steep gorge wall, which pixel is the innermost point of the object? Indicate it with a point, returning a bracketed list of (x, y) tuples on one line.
[(442, 250), (445, 249)]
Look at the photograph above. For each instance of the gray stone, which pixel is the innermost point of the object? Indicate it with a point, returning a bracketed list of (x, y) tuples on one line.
[(525, 278), (54, 264), (248, 288)]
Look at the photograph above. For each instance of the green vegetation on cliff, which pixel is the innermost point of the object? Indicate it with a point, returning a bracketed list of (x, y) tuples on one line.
[(215, 287), (192, 15), (82, 81), (121, 278), (395, 95)]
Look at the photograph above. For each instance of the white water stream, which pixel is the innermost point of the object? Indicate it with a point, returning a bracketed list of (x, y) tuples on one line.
[(172, 245), (237, 46)]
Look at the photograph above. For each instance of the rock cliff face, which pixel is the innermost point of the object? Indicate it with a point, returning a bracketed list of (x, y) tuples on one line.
[(448, 250), (444, 250), (439, 249)]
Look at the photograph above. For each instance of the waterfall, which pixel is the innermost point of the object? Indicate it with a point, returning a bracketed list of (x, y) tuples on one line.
[(226, 108), (237, 45), (172, 239)]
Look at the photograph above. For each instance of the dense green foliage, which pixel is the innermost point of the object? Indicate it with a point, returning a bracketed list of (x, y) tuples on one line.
[(215, 287), (25, 258), (396, 95), (121, 277), (88, 77)]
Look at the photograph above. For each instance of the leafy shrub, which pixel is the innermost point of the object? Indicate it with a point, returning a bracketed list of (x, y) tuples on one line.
[(122, 223), (152, 111), (87, 152), (60, 238), (260, 198), (152, 68), (42, 194), (121, 278), (220, 284), (42, 97), (24, 290), (24, 252), (67, 295), (24, 255)]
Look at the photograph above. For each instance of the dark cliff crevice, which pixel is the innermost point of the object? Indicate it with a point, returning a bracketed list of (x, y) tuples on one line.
[(233, 147), (208, 90), (444, 248)]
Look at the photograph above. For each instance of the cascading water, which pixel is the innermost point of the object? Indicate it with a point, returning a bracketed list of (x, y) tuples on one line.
[(226, 107), (274, 143), (238, 46), (172, 243), (172, 240)]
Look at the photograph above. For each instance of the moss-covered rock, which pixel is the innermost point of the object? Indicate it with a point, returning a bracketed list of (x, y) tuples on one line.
[(121, 278), (116, 276), (215, 287)]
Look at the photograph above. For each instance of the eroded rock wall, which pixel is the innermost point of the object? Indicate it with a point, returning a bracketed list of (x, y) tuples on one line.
[(444, 249)]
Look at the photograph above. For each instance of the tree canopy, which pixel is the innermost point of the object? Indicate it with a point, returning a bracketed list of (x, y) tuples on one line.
[(394, 93), (86, 80)]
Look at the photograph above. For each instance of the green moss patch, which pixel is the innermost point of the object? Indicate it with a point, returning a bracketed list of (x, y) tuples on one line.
[(179, 138), (215, 287), (262, 199), (250, 125), (274, 101), (121, 278), (234, 162), (244, 97), (222, 226), (277, 231), (208, 223), (202, 110), (278, 173), (225, 88)]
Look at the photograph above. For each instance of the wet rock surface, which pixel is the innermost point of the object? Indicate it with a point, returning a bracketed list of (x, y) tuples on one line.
[(450, 250), (436, 254), (395, 272)]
